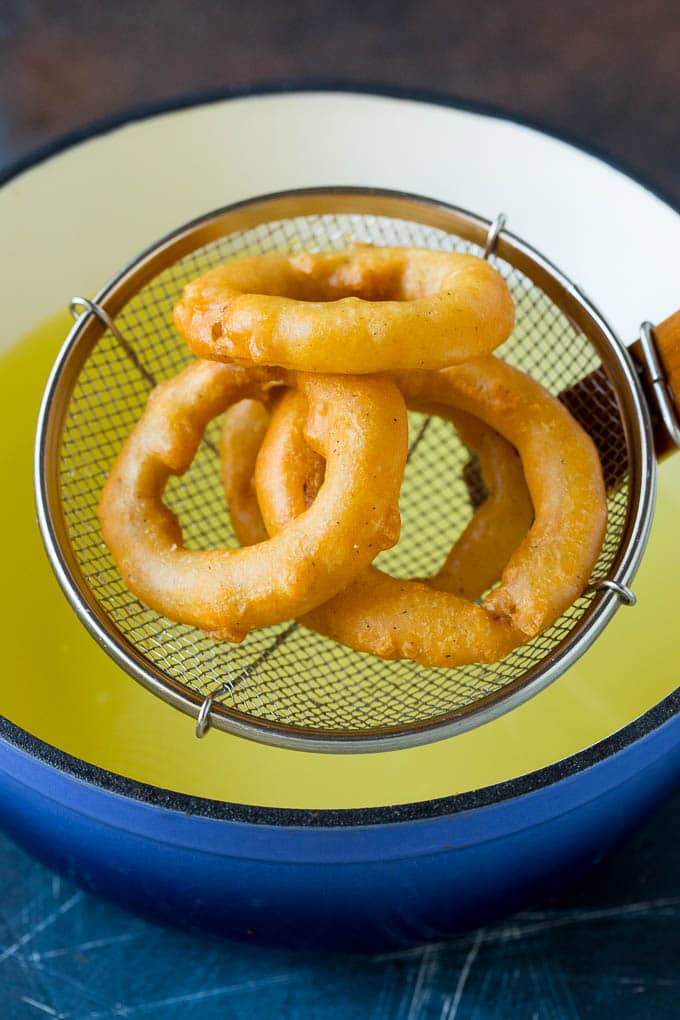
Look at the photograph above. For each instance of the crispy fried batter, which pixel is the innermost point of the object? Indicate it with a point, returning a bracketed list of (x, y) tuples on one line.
[(499, 524), (357, 425), (393, 618), (548, 569), (551, 566), (365, 309)]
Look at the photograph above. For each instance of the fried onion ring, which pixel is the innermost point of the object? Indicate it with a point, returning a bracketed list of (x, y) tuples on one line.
[(285, 486), (287, 466), (479, 556), (365, 309), (551, 566), (407, 619), (357, 425), (243, 428)]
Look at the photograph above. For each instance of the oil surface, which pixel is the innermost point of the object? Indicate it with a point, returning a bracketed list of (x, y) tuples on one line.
[(60, 686)]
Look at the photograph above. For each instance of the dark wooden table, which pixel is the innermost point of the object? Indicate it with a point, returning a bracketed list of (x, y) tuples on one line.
[(609, 75)]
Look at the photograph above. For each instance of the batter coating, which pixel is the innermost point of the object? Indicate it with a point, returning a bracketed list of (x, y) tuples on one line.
[(361, 310), (546, 572), (551, 566), (286, 483), (357, 425), (479, 556)]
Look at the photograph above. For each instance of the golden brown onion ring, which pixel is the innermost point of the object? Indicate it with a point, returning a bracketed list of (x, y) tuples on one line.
[(288, 466), (243, 428), (550, 567), (365, 309), (423, 615), (479, 556), (357, 425)]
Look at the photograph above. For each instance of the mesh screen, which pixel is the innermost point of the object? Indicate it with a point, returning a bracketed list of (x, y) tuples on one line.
[(286, 674)]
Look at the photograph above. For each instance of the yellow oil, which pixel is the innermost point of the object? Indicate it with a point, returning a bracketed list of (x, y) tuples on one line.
[(60, 686)]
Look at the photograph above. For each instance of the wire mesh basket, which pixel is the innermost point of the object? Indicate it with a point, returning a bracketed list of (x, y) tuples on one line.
[(287, 685)]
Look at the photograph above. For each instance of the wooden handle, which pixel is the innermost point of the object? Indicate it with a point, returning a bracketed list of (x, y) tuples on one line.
[(667, 337)]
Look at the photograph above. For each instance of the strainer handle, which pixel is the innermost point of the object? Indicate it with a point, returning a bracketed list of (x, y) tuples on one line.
[(658, 352)]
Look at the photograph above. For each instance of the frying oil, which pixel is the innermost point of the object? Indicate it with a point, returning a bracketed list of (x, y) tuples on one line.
[(59, 685)]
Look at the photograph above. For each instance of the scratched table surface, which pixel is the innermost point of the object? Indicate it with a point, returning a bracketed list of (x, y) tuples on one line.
[(611, 943), (609, 75)]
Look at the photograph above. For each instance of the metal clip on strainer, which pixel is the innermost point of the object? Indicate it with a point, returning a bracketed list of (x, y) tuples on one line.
[(286, 685)]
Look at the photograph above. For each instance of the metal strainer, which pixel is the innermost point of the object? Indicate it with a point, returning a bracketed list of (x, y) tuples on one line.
[(286, 685)]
